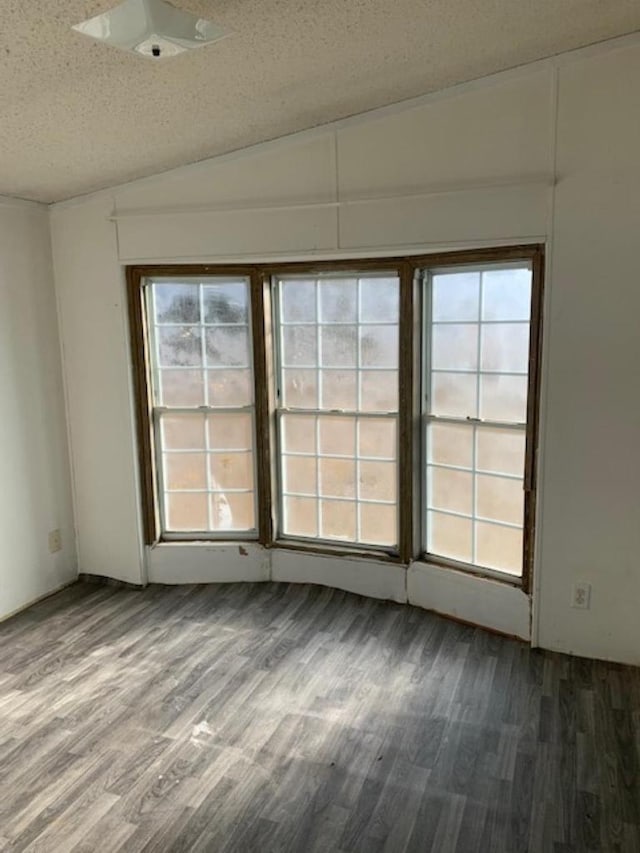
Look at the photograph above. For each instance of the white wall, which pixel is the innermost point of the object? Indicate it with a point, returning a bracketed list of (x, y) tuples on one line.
[(501, 161), (35, 484)]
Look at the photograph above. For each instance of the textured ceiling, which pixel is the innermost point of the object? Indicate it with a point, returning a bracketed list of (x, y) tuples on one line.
[(77, 116)]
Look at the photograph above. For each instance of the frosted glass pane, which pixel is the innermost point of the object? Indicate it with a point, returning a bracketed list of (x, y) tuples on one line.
[(338, 301), (506, 294), (379, 391), (299, 433), (230, 432), (454, 347), (451, 444), (338, 347), (227, 347), (185, 471), (378, 481), (337, 478), (379, 346), (454, 394), (179, 346), (377, 438), (183, 432), (299, 474), (300, 517), (452, 490), (505, 347), (176, 303), (226, 302), (299, 346), (231, 470), (230, 387), (503, 398), (500, 499), (500, 450), (337, 436), (181, 388), (378, 524), (379, 299), (450, 537), (499, 548), (232, 511), (187, 512), (338, 520), (298, 300), (456, 296), (300, 388), (339, 389)]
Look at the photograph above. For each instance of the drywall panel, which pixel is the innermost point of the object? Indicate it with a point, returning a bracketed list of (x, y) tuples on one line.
[(207, 563), (473, 216), (287, 171), (35, 484), (365, 577), (589, 519), (91, 297), (236, 232), (480, 601), (496, 132)]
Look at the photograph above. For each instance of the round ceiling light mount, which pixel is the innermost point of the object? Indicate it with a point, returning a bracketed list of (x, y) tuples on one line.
[(151, 28)]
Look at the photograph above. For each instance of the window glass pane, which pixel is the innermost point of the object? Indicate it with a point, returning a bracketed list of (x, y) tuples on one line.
[(505, 347), (339, 346), (300, 388), (187, 511), (298, 433), (185, 471), (454, 394), (337, 478), (227, 347), (183, 432), (506, 294), (176, 303), (179, 346), (339, 389), (230, 431), (232, 511), (299, 346), (501, 450), (299, 475), (181, 388), (377, 481), (230, 387), (337, 435), (499, 548), (338, 520), (231, 471), (378, 391), (450, 536), (450, 490), (226, 302), (338, 301), (379, 346), (455, 347), (377, 438), (456, 296), (500, 499), (379, 300), (503, 398), (450, 444), (298, 300), (378, 524), (300, 517)]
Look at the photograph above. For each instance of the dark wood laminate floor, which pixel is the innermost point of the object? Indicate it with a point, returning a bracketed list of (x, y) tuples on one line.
[(295, 718)]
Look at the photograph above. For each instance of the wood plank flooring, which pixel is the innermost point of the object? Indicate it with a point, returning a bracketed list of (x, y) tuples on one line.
[(273, 717)]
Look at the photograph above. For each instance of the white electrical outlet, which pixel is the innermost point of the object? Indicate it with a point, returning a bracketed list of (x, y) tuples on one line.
[(55, 541), (581, 597)]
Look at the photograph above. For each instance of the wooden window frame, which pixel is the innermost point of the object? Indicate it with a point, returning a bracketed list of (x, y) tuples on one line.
[(410, 464)]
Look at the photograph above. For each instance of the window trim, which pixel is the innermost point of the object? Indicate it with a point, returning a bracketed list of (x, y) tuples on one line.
[(408, 268)]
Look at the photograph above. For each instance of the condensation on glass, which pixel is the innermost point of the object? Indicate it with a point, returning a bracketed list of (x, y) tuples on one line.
[(476, 341), (203, 405), (337, 357)]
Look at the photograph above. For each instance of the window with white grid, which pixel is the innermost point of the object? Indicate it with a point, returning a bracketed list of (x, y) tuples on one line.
[(203, 405), (476, 341), (337, 407)]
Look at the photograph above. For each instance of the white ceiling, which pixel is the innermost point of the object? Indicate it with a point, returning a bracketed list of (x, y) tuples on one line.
[(77, 116)]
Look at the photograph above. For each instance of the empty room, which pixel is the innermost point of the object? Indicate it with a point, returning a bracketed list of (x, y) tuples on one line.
[(320, 372)]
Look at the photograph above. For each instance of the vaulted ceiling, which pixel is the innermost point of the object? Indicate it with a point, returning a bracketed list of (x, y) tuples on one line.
[(77, 116)]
